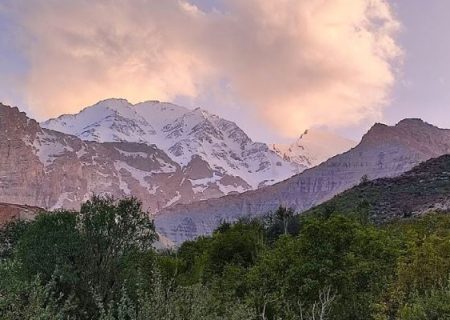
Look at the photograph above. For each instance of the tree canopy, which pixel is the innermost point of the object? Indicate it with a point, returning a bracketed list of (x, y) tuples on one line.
[(99, 263)]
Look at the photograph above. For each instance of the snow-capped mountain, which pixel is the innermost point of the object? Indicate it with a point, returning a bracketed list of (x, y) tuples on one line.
[(313, 147), (51, 169), (215, 147)]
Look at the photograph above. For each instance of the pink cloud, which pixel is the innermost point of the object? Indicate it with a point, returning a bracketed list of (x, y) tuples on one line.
[(298, 63)]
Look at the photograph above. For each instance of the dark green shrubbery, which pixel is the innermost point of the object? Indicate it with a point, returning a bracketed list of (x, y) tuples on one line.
[(99, 263)]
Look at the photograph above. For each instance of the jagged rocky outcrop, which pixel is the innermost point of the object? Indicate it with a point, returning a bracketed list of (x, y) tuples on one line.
[(385, 151)]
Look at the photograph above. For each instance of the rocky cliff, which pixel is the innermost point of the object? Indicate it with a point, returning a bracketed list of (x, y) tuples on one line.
[(9, 212)]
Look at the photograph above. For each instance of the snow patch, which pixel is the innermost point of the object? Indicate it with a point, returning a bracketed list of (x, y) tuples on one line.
[(137, 174), (173, 200), (63, 197)]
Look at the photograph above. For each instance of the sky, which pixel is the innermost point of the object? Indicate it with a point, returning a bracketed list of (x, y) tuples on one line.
[(276, 68)]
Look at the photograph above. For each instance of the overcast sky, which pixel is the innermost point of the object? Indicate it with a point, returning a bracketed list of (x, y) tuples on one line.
[(274, 67)]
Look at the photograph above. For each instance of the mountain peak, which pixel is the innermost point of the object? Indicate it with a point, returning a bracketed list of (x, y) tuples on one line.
[(202, 112), (114, 104), (380, 129), (408, 132), (11, 118), (407, 123), (313, 147), (413, 123), (377, 128), (113, 101)]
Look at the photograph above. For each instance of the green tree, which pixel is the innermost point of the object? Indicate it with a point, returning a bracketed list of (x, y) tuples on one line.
[(338, 252), (10, 234), (193, 258), (431, 305), (282, 222), (111, 230), (364, 179), (51, 241), (30, 300), (238, 245)]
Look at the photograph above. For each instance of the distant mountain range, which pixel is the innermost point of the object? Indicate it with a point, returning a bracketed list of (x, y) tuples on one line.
[(159, 152), (189, 167), (385, 151)]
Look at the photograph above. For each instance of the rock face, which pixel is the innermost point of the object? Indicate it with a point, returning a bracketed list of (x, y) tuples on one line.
[(49, 169), (384, 151), (9, 212), (206, 147)]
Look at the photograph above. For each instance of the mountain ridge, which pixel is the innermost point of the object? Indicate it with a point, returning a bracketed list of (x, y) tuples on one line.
[(424, 188), (185, 134), (181, 133), (383, 152)]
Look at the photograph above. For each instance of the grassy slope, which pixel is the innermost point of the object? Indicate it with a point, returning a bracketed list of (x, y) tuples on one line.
[(424, 188)]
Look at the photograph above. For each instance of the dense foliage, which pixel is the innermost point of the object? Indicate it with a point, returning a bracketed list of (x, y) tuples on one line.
[(99, 263)]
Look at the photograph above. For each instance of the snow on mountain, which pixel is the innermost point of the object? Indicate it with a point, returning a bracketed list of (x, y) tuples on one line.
[(107, 121), (223, 156), (159, 114), (50, 169), (313, 147)]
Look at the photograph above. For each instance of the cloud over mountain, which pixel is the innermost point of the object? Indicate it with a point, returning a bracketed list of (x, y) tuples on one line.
[(297, 63)]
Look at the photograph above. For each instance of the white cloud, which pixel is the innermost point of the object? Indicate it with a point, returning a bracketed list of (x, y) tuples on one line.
[(298, 63)]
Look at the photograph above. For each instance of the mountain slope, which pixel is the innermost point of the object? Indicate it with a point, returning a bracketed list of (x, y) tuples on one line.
[(383, 152), (313, 147), (219, 146), (424, 188), (50, 169)]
